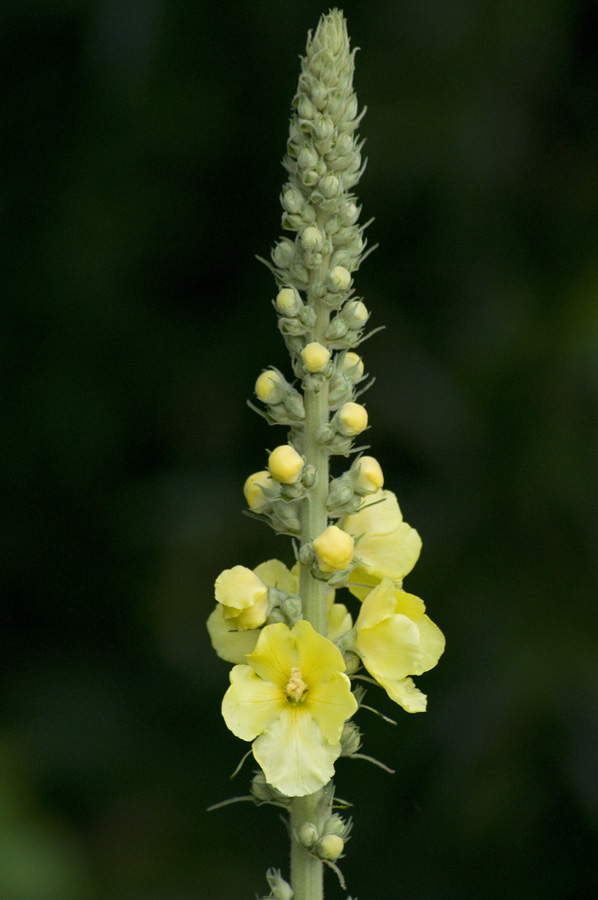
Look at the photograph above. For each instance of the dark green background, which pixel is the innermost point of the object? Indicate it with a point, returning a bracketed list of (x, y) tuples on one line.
[(141, 147)]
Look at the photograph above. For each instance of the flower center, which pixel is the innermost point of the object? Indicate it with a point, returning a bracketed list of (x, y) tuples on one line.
[(296, 688)]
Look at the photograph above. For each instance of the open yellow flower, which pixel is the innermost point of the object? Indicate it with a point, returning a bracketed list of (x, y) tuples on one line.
[(396, 639), (292, 700), (387, 548)]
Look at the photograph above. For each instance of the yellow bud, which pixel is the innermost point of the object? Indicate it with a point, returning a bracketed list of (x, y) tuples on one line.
[(355, 312), (339, 278), (256, 499), (330, 846), (370, 477), (288, 302), (315, 356), (333, 549), (269, 386), (352, 419), (352, 364), (285, 464)]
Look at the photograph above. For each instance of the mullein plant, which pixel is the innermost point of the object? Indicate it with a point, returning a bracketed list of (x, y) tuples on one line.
[(300, 656)]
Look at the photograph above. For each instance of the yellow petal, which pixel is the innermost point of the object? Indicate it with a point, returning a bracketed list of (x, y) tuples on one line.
[(387, 546), (296, 758), (250, 705), (379, 604), (331, 704), (275, 574), (318, 658), (230, 644), (339, 621), (392, 649), (432, 643), (409, 604), (275, 654), (239, 588), (405, 693)]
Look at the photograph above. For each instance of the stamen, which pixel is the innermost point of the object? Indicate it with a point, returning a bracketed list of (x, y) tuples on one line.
[(296, 688)]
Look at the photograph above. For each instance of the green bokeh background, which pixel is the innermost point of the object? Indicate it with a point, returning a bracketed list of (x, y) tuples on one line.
[(141, 169)]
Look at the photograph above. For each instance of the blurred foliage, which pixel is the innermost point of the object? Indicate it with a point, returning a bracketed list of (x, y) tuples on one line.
[(141, 151)]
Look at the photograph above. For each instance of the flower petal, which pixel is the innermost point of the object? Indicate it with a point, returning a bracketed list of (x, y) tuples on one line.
[(318, 658), (405, 693), (379, 604), (275, 574), (392, 649), (295, 756), (432, 644), (230, 644), (409, 604), (275, 654), (331, 704), (251, 705), (339, 621)]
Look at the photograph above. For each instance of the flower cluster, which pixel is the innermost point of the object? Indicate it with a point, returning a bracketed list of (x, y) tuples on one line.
[(295, 649)]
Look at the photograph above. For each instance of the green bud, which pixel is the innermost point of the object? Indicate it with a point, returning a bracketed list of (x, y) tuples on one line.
[(279, 888), (308, 834), (284, 253)]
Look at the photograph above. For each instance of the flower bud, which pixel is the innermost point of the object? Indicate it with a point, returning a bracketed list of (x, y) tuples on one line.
[(335, 824), (312, 238), (355, 313), (279, 888), (270, 386), (351, 736), (333, 549), (285, 464), (352, 418), (330, 847), (259, 489), (367, 475), (292, 200), (283, 254), (307, 158), (305, 108), (339, 279), (351, 364), (330, 186), (315, 357), (288, 302), (308, 834), (349, 212)]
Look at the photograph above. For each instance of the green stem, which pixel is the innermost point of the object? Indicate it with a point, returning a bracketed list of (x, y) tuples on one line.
[(314, 518), (307, 872)]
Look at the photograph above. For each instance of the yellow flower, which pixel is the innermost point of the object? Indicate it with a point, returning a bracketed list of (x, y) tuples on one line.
[(285, 464), (387, 548), (231, 636), (292, 700), (396, 639), (244, 597), (333, 549)]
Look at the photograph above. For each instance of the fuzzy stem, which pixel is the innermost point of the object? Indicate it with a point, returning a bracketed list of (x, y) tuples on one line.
[(307, 872)]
